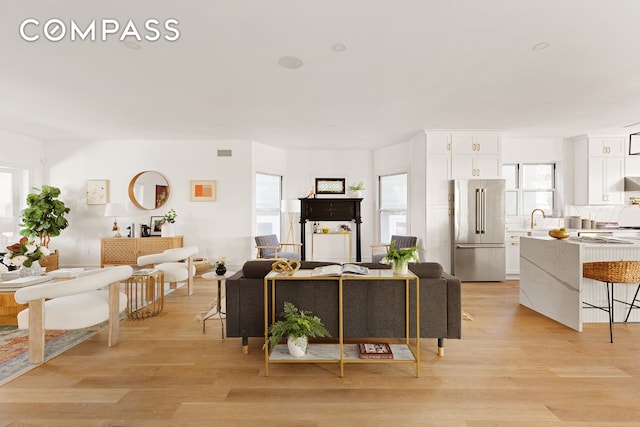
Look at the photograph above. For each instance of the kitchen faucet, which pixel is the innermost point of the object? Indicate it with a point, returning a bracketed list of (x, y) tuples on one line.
[(533, 223)]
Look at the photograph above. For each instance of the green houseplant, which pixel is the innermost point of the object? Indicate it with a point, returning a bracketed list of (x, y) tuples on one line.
[(400, 258), (298, 326), (44, 216), (356, 189)]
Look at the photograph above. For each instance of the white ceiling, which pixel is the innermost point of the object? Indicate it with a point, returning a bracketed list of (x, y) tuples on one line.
[(409, 65)]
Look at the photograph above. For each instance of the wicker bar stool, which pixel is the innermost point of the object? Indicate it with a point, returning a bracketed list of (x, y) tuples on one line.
[(610, 273)]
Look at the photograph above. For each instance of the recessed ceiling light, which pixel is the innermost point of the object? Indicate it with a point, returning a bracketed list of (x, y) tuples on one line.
[(290, 62), (540, 46), (338, 47)]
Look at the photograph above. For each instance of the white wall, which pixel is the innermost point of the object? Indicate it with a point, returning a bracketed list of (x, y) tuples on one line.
[(221, 228)]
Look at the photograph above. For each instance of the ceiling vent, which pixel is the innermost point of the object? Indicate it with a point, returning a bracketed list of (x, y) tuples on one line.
[(224, 153)]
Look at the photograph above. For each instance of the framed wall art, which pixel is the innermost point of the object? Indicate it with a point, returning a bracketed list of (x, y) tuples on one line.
[(204, 191), (97, 191), (330, 185), (155, 225)]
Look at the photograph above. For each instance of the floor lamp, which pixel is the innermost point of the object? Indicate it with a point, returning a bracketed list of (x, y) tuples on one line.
[(291, 207)]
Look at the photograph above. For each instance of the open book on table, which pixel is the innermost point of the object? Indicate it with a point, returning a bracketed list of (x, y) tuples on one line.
[(340, 270)]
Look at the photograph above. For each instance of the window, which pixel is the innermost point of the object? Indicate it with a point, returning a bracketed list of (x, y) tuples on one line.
[(13, 194), (393, 206), (529, 186), (268, 195)]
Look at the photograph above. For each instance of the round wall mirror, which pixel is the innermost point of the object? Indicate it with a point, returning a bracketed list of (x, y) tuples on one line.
[(149, 190)]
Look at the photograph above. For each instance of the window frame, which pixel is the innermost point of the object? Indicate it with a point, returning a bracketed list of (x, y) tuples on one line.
[(272, 211), (521, 191), (391, 211)]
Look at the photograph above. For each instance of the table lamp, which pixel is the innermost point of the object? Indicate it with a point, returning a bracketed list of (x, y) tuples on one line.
[(291, 207), (115, 210)]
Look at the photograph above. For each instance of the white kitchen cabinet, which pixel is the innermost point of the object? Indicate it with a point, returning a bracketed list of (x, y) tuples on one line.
[(512, 252), (476, 155), (473, 166), (607, 146), (599, 170), (438, 143), (483, 143), (606, 180), (437, 245)]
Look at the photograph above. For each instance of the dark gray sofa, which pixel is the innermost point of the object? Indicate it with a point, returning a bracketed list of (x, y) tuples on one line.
[(370, 309)]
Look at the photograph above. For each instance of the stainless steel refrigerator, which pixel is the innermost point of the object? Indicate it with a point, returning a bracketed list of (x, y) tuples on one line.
[(478, 230)]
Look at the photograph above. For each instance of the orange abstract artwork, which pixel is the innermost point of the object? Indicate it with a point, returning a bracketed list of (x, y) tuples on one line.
[(203, 191)]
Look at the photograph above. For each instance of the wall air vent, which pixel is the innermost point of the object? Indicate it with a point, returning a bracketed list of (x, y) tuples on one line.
[(224, 153)]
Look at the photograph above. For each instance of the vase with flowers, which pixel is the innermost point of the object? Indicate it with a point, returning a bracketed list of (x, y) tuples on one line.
[(25, 255), (220, 266), (400, 258), (168, 226)]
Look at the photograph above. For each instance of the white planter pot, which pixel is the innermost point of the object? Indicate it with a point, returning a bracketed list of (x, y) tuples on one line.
[(355, 194), (168, 229), (297, 346), (400, 267)]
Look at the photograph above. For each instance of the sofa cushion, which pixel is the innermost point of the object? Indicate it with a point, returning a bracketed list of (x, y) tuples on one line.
[(427, 270)]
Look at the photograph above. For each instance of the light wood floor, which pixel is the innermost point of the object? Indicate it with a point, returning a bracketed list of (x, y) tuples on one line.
[(513, 367)]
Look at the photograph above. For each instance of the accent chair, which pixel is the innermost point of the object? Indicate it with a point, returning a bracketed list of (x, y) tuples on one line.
[(402, 242), (176, 264), (269, 247)]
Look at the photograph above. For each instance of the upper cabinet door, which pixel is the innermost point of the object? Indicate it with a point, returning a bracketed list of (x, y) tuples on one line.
[(475, 143), (606, 146), (438, 143)]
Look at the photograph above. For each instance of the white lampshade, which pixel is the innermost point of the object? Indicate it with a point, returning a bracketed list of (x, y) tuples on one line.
[(115, 210), (292, 205)]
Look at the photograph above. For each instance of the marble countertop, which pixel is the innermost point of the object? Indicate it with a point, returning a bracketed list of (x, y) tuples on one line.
[(593, 241)]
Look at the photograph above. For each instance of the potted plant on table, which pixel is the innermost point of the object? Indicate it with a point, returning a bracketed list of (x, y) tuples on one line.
[(25, 256), (44, 218), (220, 266), (400, 258), (168, 225), (298, 326)]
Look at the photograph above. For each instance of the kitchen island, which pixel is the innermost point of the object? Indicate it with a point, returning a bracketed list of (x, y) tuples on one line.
[(551, 281)]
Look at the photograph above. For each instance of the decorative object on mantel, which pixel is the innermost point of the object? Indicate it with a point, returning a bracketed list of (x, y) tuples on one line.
[(25, 256), (355, 190), (400, 258), (204, 191), (115, 210), (634, 144), (220, 266), (168, 226), (97, 191), (286, 267), (298, 326)]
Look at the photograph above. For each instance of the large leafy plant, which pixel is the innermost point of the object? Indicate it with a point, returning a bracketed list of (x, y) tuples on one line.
[(297, 323), (44, 216), (401, 256)]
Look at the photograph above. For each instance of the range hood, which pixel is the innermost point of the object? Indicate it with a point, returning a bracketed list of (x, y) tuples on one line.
[(632, 183)]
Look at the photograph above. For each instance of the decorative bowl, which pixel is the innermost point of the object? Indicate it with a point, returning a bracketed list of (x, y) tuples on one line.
[(558, 234)]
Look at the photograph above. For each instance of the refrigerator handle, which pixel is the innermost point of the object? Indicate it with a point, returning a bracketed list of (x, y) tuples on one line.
[(478, 212), (484, 210)]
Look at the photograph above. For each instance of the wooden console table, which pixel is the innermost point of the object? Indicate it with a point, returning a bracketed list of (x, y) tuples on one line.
[(342, 353), (334, 209), (126, 250)]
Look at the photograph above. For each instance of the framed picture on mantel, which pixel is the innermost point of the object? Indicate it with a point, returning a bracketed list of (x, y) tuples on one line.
[(330, 185)]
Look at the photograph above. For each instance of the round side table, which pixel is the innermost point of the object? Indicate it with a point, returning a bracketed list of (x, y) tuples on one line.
[(217, 310)]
